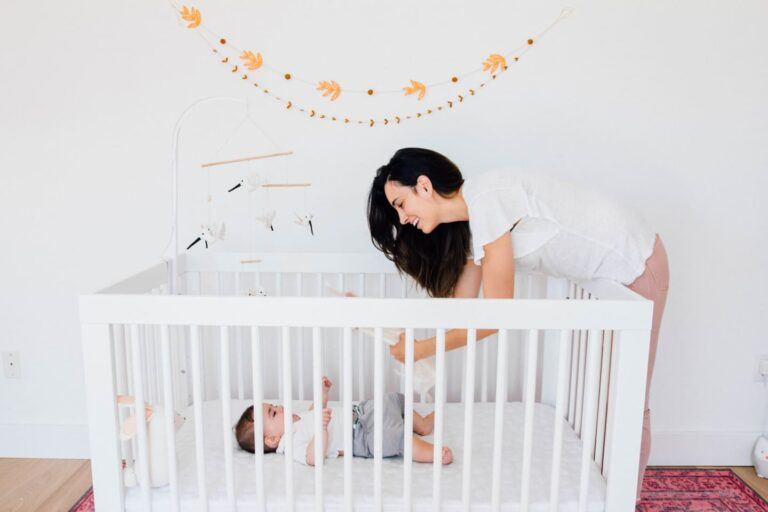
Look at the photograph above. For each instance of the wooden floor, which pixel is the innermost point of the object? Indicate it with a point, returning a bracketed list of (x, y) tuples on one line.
[(56, 485), (42, 484), (760, 485)]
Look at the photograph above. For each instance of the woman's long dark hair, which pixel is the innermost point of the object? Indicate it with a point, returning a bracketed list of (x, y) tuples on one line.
[(433, 260)]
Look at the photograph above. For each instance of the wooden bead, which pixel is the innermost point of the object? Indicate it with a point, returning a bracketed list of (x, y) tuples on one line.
[(454, 79), (287, 76), (223, 41), (370, 92)]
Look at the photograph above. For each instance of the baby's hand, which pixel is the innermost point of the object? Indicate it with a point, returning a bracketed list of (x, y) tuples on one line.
[(326, 418), (327, 384)]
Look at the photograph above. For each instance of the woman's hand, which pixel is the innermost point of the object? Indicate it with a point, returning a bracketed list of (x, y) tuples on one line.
[(421, 349)]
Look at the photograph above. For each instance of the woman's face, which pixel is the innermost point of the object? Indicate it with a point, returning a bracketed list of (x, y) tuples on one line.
[(414, 205)]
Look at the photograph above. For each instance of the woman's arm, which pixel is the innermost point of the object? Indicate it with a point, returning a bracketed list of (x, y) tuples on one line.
[(497, 277)]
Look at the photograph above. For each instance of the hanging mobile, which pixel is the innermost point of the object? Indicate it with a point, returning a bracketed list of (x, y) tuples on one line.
[(251, 183), (305, 220), (260, 292), (268, 219), (209, 234)]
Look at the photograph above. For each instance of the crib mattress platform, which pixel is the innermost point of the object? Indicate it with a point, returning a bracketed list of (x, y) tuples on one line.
[(362, 469)]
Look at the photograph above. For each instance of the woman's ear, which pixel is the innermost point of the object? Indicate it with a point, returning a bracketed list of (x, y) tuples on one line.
[(423, 185)]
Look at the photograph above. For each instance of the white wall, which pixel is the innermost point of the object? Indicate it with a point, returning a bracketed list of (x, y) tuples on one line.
[(661, 104)]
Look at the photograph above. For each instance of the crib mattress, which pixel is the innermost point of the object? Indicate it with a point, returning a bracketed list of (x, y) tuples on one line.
[(362, 469)]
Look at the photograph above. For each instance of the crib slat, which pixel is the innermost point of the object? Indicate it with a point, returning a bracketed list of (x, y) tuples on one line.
[(484, 376), (149, 364), (557, 446), (141, 426), (408, 426), (258, 416), (605, 354), (469, 400), (378, 415), (498, 431), (317, 390), (239, 348), (197, 400), (437, 466), (580, 375), (288, 418), (593, 355), (574, 348), (578, 408), (170, 431), (226, 406), (530, 398), (122, 371), (361, 344), (347, 389), (278, 293), (340, 287), (300, 339)]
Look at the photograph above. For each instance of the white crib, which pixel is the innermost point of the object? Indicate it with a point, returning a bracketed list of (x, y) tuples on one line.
[(545, 415)]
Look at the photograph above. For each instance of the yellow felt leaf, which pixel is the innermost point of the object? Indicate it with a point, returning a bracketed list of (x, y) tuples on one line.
[(192, 15), (414, 88), (252, 61), (494, 62), (329, 88)]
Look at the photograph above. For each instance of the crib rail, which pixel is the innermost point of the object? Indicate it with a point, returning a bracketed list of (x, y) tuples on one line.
[(141, 344)]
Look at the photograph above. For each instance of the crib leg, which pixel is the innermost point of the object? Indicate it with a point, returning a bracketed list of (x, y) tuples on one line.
[(627, 401), (99, 366)]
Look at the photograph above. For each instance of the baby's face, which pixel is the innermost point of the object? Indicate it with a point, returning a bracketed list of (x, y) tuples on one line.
[(273, 420)]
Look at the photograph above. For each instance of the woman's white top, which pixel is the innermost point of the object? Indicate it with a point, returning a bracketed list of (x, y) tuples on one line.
[(304, 432), (563, 230)]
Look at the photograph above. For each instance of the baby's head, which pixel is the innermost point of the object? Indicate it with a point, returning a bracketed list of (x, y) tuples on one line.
[(273, 428)]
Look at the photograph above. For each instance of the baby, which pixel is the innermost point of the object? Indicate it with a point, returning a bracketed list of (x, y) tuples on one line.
[(333, 435)]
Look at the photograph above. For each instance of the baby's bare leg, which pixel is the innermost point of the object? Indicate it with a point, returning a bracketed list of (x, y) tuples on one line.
[(424, 451), (423, 425)]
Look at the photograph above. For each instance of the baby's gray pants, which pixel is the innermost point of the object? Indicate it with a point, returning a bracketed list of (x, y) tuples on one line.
[(362, 434)]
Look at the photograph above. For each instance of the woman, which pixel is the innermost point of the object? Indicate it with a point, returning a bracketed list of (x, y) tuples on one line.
[(453, 235)]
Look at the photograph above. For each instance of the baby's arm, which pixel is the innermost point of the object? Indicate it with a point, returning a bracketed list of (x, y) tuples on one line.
[(326, 388), (311, 445)]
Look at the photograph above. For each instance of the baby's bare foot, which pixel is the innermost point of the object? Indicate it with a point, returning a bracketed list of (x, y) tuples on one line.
[(447, 455)]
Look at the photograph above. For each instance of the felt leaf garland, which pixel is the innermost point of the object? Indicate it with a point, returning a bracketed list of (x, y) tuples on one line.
[(226, 53)]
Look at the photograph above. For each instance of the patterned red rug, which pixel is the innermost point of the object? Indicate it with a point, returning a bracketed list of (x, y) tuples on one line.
[(699, 490), (664, 490)]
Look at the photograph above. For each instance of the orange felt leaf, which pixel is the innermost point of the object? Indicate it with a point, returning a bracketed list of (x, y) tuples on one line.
[(493, 62), (330, 88), (416, 87), (252, 61), (192, 15)]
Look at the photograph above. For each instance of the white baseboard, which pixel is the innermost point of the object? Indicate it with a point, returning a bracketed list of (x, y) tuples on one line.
[(35, 441), (702, 448)]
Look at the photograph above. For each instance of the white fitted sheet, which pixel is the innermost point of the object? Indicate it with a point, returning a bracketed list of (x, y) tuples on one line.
[(362, 469)]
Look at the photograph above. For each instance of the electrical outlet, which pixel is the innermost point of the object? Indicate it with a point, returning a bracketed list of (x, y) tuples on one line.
[(11, 367), (761, 370)]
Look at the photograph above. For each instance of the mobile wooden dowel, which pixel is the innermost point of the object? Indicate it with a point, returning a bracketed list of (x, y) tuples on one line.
[(246, 159)]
